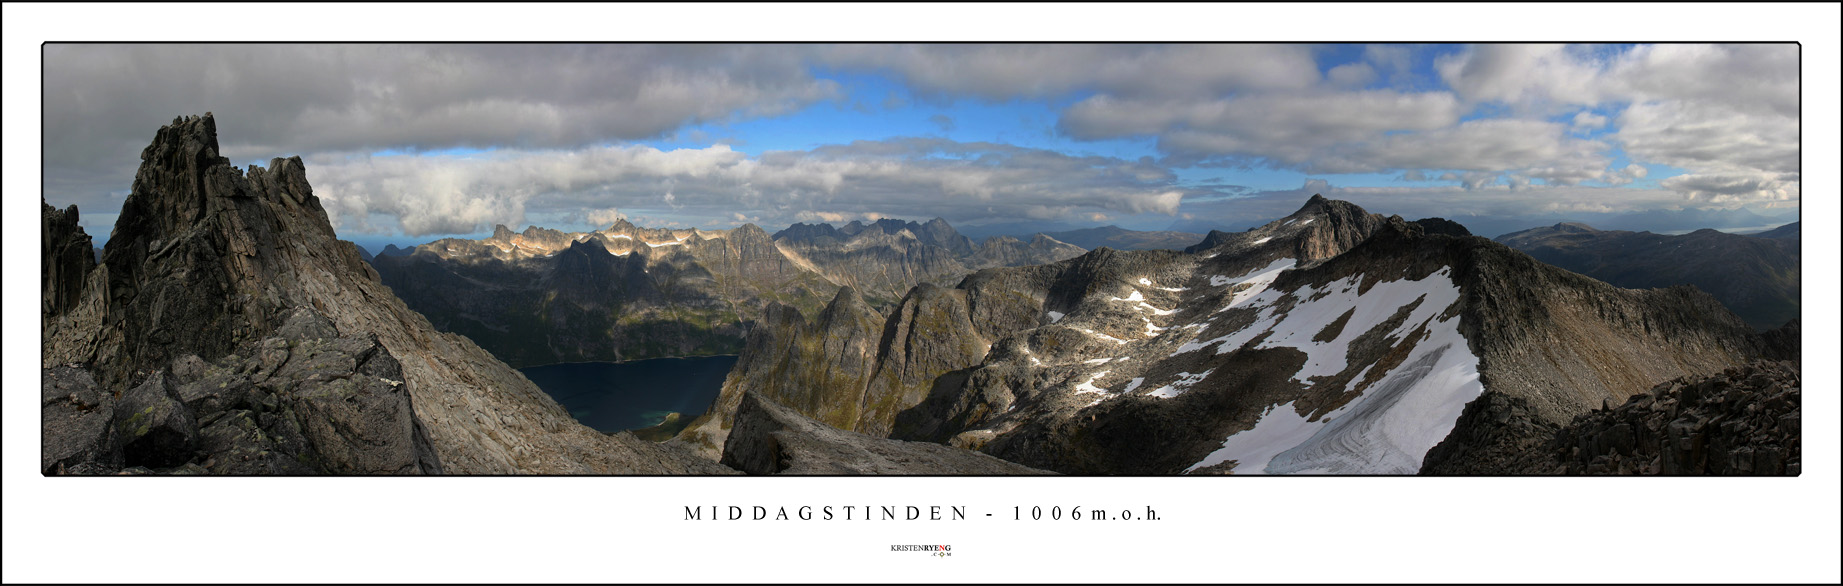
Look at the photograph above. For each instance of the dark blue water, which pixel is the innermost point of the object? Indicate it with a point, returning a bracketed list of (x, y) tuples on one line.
[(613, 396)]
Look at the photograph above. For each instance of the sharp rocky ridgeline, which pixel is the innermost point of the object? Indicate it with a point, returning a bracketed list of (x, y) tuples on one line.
[(227, 330), (1329, 341)]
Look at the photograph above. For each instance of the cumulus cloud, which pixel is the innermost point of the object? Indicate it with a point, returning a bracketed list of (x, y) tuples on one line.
[(1728, 113), (105, 100), (1735, 187), (1589, 121), (1701, 136), (1002, 72), (450, 194)]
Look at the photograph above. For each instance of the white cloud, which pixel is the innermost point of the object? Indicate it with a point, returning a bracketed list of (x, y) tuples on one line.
[(1743, 187), (1586, 120), (901, 177), (1005, 71), (1709, 137)]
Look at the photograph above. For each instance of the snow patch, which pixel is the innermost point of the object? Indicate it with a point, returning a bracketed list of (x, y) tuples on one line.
[(1055, 316), (1088, 387), (1101, 336), (1133, 384), (1177, 387), (1262, 241), (1257, 281), (1308, 317), (1148, 283)]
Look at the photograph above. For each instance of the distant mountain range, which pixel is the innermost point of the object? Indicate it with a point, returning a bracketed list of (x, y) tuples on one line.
[(1756, 276), (1659, 221), (1119, 238), (1329, 341), (1091, 238), (627, 292)]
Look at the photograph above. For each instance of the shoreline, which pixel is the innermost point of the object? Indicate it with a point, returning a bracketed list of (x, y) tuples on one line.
[(628, 361)]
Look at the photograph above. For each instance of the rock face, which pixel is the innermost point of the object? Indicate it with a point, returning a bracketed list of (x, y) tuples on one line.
[(235, 277), (67, 254), (1756, 276), (771, 439), (1329, 341), (1741, 421)]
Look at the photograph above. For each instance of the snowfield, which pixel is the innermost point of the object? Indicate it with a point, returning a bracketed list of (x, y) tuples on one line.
[(1395, 422)]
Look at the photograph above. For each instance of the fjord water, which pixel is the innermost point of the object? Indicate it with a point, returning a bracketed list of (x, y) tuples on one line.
[(613, 396)]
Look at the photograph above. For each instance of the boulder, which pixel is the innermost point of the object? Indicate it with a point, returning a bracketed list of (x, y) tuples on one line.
[(154, 428)]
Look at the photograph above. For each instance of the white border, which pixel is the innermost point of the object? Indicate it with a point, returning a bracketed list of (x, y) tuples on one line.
[(1216, 530)]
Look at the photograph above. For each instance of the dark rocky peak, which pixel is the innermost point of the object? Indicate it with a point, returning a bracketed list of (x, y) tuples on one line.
[(847, 304), (1442, 226), (852, 229), (1214, 239), (545, 236), (939, 233), (183, 184), (749, 236), (67, 257), (204, 256), (622, 226), (1321, 229), (501, 233), (810, 233), (586, 247)]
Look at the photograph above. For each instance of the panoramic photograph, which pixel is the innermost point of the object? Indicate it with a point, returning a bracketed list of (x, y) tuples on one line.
[(920, 259)]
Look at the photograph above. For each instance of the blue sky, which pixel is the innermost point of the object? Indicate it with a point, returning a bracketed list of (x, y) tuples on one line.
[(408, 143)]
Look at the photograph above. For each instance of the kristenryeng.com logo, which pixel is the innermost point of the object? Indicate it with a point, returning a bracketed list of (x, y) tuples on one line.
[(938, 551)]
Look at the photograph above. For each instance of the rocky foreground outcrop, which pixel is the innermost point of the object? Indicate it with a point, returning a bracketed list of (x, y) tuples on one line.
[(212, 281), (1741, 421), (304, 401), (770, 439)]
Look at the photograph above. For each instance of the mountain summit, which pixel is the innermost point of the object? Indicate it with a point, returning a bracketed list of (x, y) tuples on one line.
[(228, 331)]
